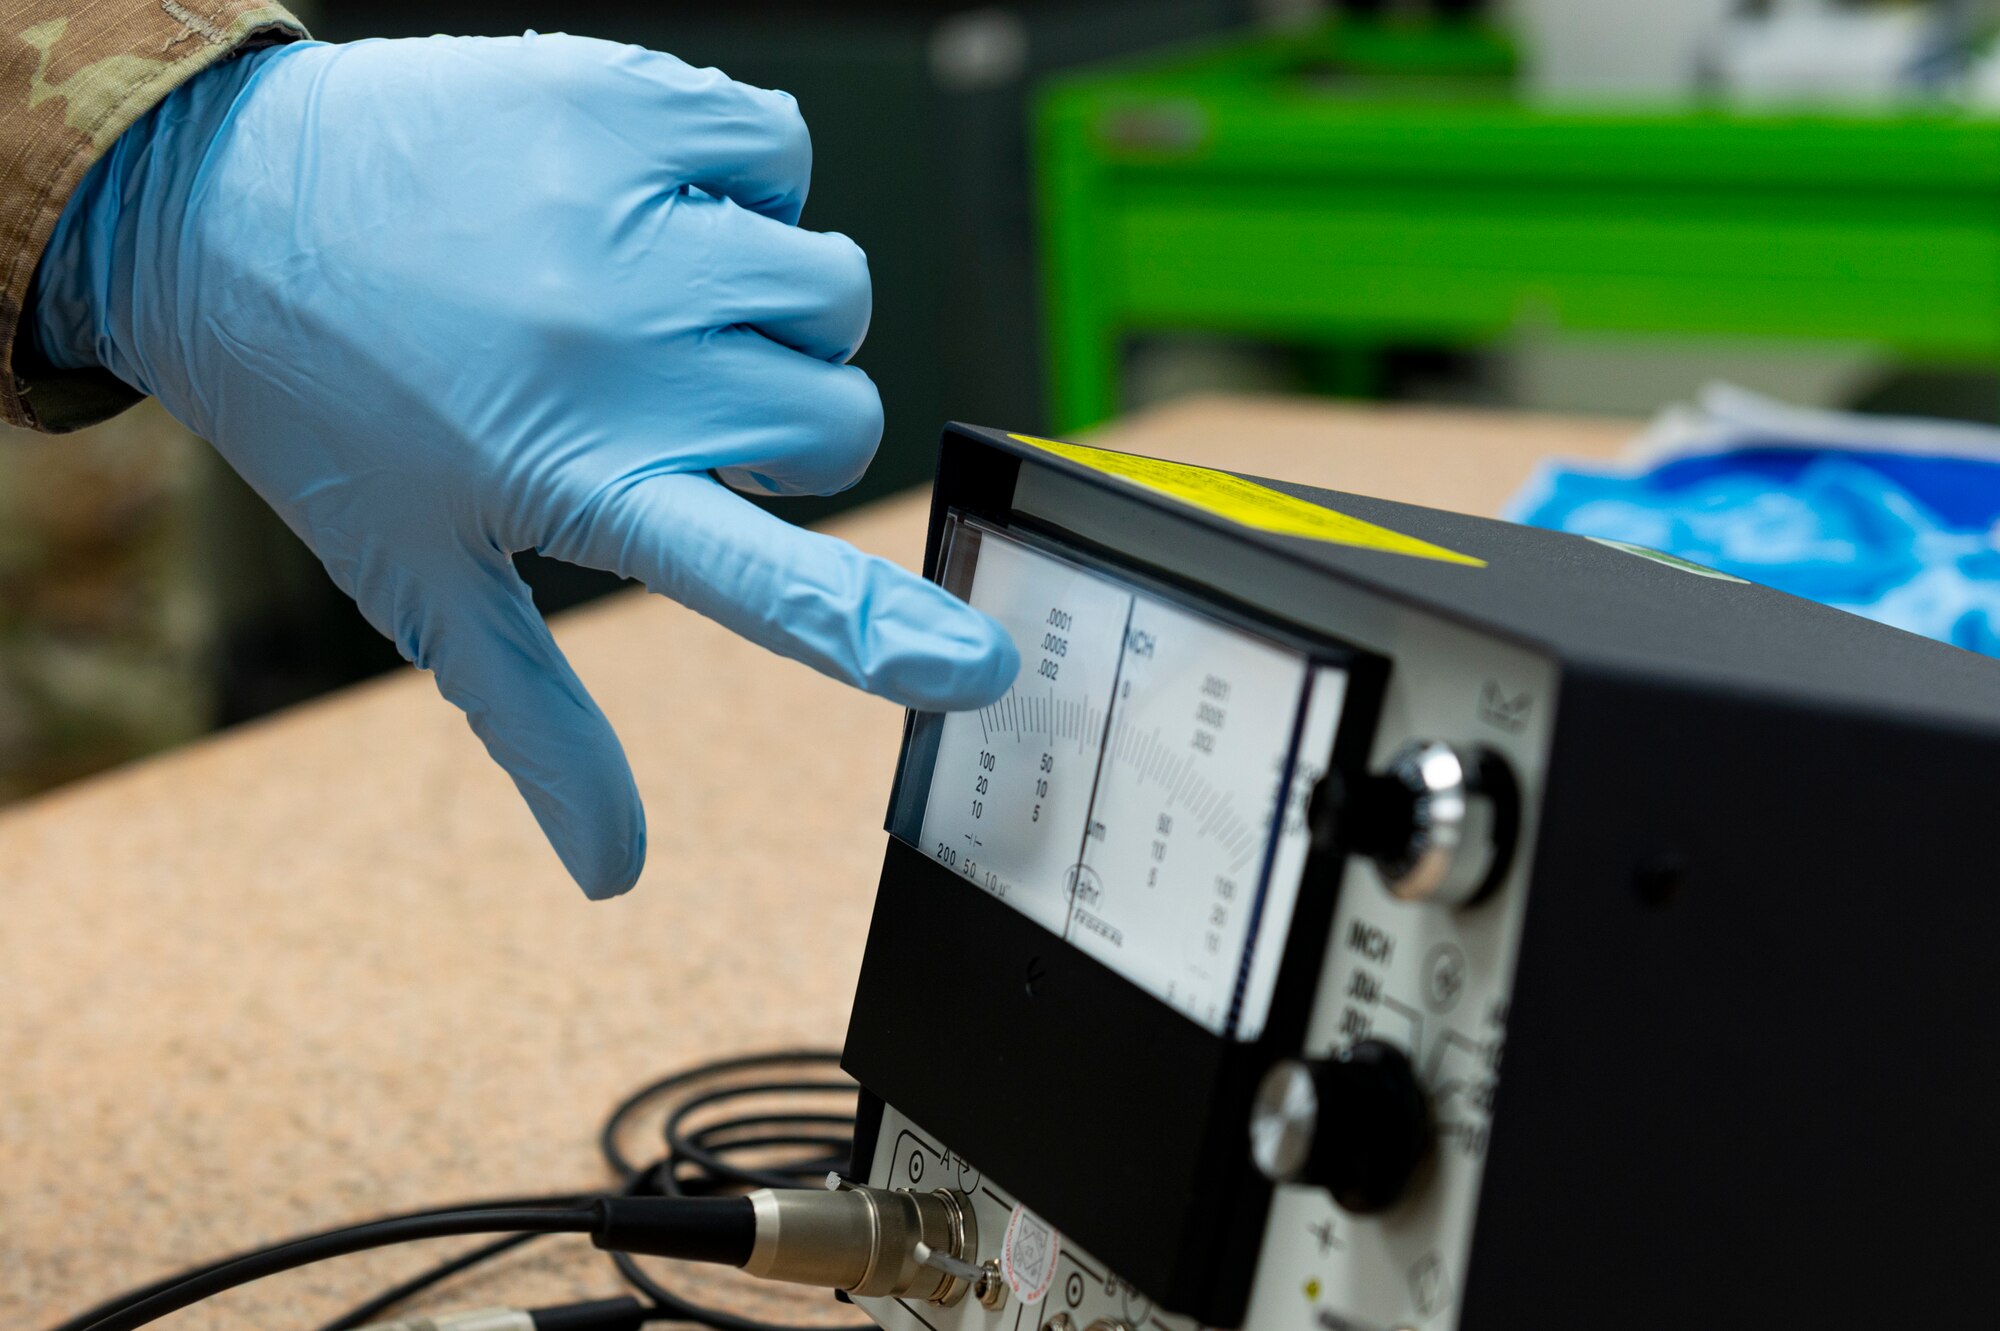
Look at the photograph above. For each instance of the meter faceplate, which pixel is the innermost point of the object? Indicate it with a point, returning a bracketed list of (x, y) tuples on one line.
[(1141, 792), (1086, 992)]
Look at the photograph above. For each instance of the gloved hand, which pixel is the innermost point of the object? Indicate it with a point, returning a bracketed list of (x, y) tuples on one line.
[(444, 300)]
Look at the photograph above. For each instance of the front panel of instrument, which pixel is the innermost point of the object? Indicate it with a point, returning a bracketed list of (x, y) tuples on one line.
[(1141, 792), (1154, 795)]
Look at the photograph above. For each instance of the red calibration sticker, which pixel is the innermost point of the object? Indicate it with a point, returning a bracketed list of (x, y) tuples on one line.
[(1028, 1255)]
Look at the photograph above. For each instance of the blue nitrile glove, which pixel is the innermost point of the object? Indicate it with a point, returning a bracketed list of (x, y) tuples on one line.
[(444, 300)]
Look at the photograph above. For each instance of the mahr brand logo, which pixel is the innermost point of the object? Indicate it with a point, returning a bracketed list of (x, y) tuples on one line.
[(1503, 710)]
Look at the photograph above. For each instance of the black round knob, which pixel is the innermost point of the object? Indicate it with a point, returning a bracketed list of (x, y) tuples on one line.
[(1439, 821), (1357, 1124)]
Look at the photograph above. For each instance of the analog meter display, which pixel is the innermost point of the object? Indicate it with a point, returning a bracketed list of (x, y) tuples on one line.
[(1142, 789)]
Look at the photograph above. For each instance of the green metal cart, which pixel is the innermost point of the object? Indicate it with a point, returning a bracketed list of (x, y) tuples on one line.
[(1357, 188)]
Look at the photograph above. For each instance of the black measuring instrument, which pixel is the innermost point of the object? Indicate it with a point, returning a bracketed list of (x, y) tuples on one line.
[(1195, 957)]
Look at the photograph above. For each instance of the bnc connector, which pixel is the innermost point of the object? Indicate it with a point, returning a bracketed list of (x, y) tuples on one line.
[(871, 1242)]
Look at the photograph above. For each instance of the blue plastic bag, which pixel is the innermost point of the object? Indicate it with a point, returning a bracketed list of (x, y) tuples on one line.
[(1904, 533)]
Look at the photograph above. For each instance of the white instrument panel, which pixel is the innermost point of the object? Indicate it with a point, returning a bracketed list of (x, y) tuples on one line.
[(1141, 790)]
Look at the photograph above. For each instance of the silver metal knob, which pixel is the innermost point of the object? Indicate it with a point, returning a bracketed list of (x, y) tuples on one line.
[(1283, 1121), (1357, 1124), (1451, 814)]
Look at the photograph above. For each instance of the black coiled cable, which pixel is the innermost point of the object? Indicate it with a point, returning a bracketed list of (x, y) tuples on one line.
[(706, 1153), (697, 1161)]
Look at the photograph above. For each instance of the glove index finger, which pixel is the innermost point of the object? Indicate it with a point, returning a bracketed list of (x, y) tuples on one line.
[(802, 594), (733, 140)]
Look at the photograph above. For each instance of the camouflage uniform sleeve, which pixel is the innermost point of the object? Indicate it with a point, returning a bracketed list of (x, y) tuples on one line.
[(73, 75)]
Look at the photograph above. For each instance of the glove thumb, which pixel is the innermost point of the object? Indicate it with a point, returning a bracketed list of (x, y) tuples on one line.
[(480, 634)]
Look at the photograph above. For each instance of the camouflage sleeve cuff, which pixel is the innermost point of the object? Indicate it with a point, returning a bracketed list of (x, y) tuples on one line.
[(74, 74)]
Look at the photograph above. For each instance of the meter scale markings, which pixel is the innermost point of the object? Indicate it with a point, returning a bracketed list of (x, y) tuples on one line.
[(1011, 786), (1179, 778), (1174, 859), (1129, 792), (1072, 720)]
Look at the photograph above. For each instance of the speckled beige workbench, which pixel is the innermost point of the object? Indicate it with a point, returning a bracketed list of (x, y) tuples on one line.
[(324, 966)]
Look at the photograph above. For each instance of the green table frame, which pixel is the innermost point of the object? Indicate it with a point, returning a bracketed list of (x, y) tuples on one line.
[(1261, 188)]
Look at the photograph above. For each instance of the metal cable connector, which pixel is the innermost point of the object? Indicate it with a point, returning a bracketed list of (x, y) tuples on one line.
[(871, 1242)]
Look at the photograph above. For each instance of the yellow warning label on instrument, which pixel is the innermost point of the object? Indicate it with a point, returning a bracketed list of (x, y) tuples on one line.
[(1247, 503)]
